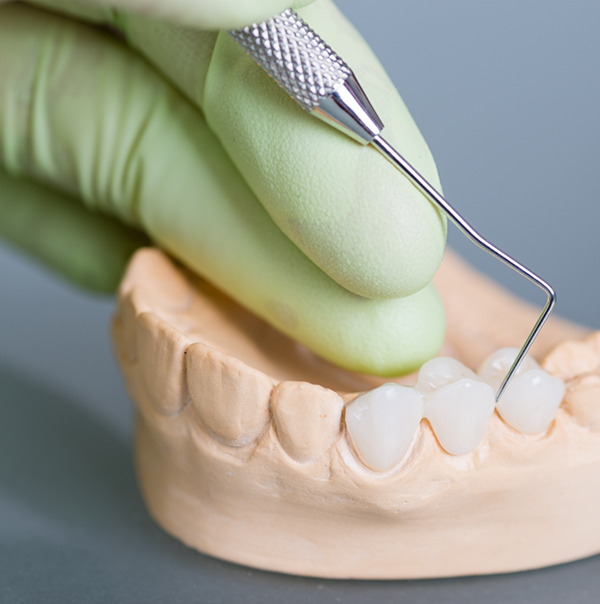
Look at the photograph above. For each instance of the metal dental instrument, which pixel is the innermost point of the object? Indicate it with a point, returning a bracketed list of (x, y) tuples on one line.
[(322, 84)]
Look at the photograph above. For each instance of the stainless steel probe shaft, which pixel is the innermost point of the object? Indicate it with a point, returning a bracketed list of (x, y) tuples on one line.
[(322, 84)]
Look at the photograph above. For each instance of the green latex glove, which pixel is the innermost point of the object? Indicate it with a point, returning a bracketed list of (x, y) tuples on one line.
[(315, 233)]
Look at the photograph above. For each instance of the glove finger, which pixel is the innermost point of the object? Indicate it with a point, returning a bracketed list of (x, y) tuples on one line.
[(86, 248), (80, 111), (344, 205), (197, 14)]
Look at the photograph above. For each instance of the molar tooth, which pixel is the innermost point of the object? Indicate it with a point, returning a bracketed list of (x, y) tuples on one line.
[(131, 304), (232, 399), (441, 371), (582, 401), (573, 358), (531, 401), (307, 418), (459, 414), (494, 369), (161, 353), (382, 423)]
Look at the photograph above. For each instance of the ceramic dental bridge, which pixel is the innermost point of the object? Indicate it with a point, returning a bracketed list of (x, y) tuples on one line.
[(322, 84)]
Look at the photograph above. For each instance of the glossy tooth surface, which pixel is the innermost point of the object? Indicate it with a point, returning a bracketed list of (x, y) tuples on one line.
[(459, 414), (382, 423), (531, 401), (439, 372), (494, 369)]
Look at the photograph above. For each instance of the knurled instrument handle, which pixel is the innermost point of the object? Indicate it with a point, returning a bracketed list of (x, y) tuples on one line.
[(311, 73)]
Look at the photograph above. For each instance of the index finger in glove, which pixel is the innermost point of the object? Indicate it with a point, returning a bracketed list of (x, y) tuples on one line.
[(342, 204)]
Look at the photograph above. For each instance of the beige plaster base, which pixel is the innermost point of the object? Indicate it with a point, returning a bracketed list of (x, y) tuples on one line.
[(241, 449)]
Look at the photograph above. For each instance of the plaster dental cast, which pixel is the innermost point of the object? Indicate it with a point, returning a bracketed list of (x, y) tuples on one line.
[(170, 130)]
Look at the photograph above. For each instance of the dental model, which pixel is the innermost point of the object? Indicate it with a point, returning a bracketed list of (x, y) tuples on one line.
[(251, 449)]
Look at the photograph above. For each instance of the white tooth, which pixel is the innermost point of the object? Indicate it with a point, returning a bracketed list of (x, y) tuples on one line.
[(459, 414), (531, 401), (382, 423), (494, 369), (439, 372)]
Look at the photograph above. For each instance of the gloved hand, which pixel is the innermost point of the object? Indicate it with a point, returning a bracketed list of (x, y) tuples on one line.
[(315, 233)]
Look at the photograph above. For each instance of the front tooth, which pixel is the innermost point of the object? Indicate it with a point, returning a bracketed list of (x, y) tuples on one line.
[(382, 423), (531, 401), (307, 419), (439, 372), (494, 369), (459, 414)]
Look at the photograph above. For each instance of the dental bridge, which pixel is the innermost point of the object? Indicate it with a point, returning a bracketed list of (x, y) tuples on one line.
[(322, 84)]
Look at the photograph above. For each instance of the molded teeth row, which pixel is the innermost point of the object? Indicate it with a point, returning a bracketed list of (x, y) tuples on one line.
[(169, 374)]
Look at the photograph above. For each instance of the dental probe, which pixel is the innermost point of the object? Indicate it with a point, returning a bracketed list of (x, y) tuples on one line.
[(322, 84)]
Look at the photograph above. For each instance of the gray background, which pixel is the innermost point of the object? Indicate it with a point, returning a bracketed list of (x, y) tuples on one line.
[(507, 95)]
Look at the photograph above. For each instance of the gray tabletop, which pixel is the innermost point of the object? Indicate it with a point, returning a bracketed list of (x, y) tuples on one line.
[(507, 96)]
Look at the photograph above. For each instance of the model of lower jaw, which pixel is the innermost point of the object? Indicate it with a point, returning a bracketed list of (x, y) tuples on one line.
[(251, 449)]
